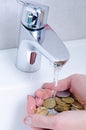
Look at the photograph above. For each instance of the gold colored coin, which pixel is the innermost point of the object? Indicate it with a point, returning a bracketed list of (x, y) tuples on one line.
[(68, 99), (41, 110), (74, 108), (61, 108), (60, 102), (77, 105), (54, 105), (49, 103)]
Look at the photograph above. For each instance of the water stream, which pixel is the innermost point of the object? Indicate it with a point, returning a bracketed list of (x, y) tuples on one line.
[(56, 71)]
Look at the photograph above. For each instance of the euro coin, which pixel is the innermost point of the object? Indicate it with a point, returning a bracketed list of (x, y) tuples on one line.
[(41, 110), (60, 102), (77, 105), (68, 99), (65, 93), (74, 108), (52, 111), (49, 103), (61, 108)]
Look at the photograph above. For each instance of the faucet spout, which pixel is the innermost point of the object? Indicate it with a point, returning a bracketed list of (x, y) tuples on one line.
[(36, 38), (52, 48)]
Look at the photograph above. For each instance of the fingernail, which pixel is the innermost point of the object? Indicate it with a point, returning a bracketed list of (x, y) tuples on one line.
[(27, 120)]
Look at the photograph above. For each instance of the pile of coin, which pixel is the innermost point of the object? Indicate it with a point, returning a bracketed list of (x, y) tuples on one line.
[(63, 101)]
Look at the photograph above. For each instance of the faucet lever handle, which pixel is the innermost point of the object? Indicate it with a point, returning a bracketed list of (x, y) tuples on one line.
[(34, 16)]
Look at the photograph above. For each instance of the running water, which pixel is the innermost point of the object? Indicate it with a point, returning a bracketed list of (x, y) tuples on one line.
[(56, 75), (56, 70)]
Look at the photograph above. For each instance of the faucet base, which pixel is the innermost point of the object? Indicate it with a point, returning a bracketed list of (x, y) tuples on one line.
[(26, 70), (36, 38), (28, 60)]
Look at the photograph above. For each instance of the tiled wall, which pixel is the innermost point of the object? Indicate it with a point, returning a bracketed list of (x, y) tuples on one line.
[(67, 18)]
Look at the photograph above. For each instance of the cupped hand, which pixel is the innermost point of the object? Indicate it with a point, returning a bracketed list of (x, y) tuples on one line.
[(77, 86), (68, 120)]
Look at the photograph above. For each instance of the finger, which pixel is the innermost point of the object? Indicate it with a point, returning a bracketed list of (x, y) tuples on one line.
[(43, 93), (31, 105), (27, 121), (50, 86), (40, 121), (64, 84)]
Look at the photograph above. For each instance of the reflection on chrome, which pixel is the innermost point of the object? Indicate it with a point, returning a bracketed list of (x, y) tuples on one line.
[(37, 37)]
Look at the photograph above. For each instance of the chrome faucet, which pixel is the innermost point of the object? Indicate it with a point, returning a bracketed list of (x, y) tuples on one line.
[(37, 37)]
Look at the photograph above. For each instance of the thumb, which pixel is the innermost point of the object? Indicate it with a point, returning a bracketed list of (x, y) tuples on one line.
[(41, 121), (64, 84)]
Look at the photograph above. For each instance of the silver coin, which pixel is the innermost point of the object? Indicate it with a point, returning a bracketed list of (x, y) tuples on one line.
[(65, 93), (52, 111)]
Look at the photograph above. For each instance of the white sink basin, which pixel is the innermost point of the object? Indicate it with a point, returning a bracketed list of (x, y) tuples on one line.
[(16, 85)]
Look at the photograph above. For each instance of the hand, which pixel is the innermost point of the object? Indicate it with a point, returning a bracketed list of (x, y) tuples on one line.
[(68, 120), (76, 85)]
